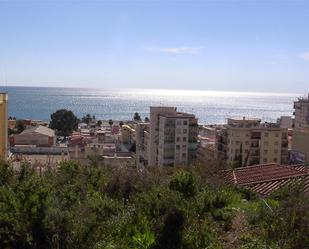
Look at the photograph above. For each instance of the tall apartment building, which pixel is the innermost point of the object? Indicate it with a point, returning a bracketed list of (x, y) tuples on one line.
[(300, 139), (300, 146), (252, 141), (173, 137), (301, 113), (3, 125)]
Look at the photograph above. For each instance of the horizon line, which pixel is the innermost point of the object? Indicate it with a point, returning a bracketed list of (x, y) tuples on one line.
[(155, 89)]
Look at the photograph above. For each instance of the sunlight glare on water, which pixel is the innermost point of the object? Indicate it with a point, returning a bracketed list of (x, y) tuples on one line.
[(209, 106)]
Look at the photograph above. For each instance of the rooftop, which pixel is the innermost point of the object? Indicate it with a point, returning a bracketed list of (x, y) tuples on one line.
[(303, 99), (3, 97), (178, 115), (266, 178), (40, 129), (244, 119)]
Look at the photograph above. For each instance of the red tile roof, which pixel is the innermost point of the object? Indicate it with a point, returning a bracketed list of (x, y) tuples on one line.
[(267, 178)]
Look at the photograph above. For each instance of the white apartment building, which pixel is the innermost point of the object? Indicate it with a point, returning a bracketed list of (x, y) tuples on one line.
[(301, 113), (300, 138), (173, 137), (253, 141)]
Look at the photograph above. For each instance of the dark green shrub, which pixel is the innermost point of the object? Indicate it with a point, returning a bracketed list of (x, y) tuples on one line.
[(205, 201), (185, 183), (200, 235), (170, 236)]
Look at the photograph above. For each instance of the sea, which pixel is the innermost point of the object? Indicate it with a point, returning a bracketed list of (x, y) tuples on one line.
[(210, 107)]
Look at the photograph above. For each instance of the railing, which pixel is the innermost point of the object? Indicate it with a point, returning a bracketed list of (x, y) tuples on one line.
[(255, 145)]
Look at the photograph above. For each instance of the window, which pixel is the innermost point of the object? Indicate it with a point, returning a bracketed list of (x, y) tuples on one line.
[(184, 139), (185, 122), (237, 142), (185, 131), (184, 146), (276, 151), (265, 151), (276, 143), (177, 147), (276, 134), (178, 122), (265, 160), (266, 143), (275, 159), (183, 155), (178, 139), (247, 142), (266, 134)]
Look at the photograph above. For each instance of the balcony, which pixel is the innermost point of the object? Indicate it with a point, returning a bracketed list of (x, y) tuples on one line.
[(254, 161), (255, 144), (284, 144), (256, 135), (192, 146), (284, 152), (255, 153)]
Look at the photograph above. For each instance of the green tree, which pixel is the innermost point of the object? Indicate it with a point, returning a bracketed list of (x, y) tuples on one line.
[(121, 123), (147, 119), (171, 235), (20, 126), (110, 122), (137, 117), (184, 182), (64, 122), (99, 123), (6, 173), (87, 119)]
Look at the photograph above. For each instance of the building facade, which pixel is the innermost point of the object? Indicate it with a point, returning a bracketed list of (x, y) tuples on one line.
[(173, 137), (300, 146), (3, 125), (301, 113), (127, 134), (142, 140), (39, 136), (244, 142)]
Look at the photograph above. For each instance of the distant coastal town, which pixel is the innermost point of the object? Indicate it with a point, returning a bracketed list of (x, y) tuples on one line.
[(168, 138)]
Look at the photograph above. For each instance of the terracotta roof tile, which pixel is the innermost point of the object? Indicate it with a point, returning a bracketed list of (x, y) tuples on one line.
[(267, 178)]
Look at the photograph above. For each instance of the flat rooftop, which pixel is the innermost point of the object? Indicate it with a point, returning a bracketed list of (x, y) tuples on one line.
[(244, 119), (178, 115)]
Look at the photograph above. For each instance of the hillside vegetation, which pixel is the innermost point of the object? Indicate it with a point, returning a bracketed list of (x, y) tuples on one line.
[(95, 206)]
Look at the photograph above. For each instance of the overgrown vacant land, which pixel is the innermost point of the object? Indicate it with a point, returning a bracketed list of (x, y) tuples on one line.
[(95, 206)]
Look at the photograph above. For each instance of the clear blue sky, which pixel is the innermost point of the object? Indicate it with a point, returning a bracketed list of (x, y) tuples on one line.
[(241, 46)]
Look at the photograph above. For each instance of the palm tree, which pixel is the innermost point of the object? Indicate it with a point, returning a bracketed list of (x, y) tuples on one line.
[(137, 117)]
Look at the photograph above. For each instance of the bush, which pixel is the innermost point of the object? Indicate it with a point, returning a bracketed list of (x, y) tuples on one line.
[(199, 235), (185, 183), (170, 236)]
